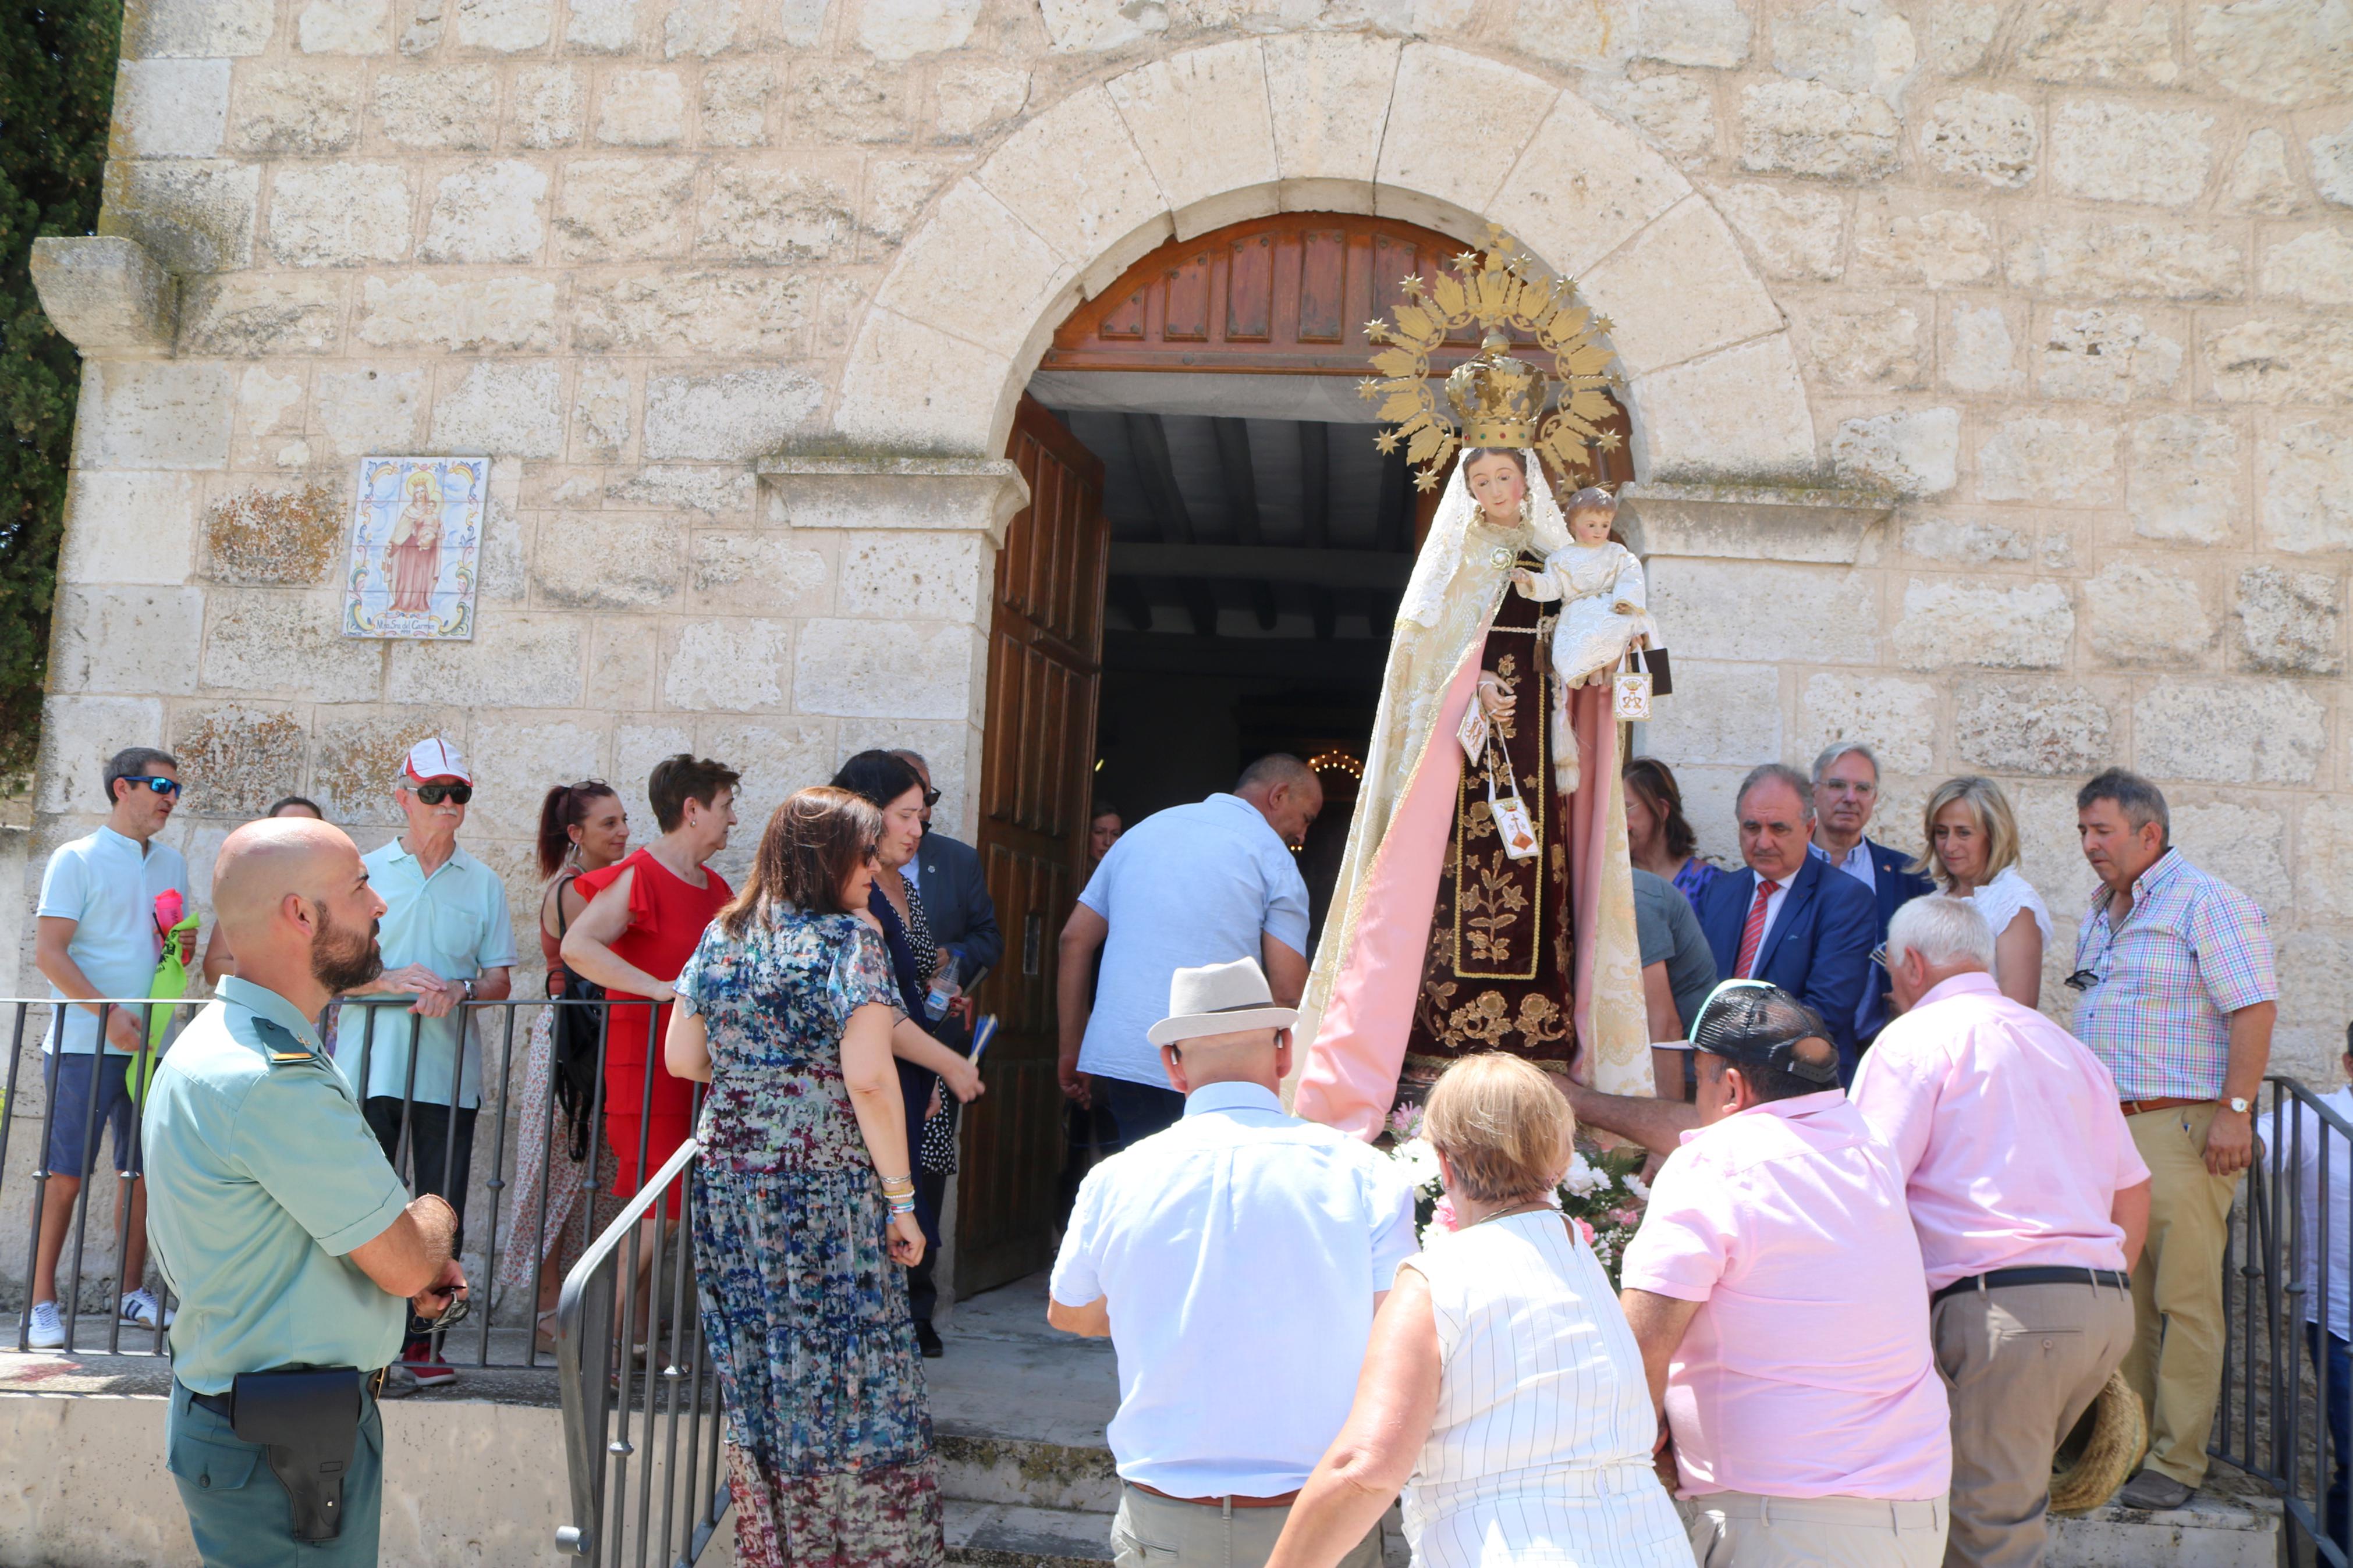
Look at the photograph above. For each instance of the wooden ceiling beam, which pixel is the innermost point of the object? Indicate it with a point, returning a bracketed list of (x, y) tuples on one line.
[(1241, 501)]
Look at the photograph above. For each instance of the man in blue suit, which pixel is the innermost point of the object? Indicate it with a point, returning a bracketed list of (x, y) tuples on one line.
[(947, 876), (1787, 917), (1846, 792)]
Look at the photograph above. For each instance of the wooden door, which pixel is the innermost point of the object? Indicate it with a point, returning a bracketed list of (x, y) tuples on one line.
[(1045, 656)]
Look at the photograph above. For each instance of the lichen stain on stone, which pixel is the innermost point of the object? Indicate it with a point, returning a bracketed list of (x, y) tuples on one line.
[(274, 536), (238, 761)]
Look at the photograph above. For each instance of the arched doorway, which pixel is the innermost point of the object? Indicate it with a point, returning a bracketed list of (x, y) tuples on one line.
[(1207, 572)]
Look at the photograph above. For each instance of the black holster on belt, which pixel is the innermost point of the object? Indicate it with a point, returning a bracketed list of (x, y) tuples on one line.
[(309, 1420)]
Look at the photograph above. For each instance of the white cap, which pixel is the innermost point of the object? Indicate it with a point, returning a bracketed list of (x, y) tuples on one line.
[(435, 759)]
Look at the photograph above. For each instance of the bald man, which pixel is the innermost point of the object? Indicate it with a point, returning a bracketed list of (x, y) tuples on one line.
[(296, 1252)]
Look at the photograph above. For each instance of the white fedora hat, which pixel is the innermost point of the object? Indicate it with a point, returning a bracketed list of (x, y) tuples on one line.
[(1219, 999)]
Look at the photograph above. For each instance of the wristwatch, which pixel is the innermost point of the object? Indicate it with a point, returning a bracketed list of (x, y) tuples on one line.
[(2239, 1107), (468, 984)]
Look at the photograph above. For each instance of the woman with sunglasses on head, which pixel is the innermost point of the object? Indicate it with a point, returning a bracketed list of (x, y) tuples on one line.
[(1973, 854)]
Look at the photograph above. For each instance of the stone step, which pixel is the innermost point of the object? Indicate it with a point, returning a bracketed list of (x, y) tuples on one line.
[(2227, 1524), (1001, 1535), (1026, 1473)]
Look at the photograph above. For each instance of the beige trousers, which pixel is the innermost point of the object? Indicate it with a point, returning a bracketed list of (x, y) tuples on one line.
[(2022, 1363), (1155, 1532), (1743, 1530), (2176, 1364)]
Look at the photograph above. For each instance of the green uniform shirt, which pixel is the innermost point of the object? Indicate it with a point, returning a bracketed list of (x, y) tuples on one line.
[(262, 1176)]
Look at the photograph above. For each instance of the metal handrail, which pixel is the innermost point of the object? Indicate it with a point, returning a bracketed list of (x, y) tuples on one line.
[(596, 1373)]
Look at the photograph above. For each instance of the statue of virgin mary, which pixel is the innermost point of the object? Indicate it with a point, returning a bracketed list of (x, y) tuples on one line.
[(1479, 908)]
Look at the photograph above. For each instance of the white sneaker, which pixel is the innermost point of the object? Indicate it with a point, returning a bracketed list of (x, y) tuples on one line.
[(47, 1331), (141, 1306)]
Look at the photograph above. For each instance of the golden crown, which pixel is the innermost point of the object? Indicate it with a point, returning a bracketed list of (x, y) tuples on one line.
[(1498, 400)]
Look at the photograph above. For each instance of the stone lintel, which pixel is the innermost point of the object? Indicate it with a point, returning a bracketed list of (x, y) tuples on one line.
[(1752, 523), (106, 294), (976, 495)]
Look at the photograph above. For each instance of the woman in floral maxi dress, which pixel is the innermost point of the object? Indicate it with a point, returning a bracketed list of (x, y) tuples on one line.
[(787, 1010)]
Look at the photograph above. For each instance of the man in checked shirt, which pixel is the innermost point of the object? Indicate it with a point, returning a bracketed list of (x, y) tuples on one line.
[(2178, 999)]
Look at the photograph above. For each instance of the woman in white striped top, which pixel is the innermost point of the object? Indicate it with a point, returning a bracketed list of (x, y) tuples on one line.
[(1502, 1389)]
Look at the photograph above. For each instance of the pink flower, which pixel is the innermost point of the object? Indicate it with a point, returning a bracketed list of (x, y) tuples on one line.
[(1586, 1231), (1441, 1218), (1630, 1217)]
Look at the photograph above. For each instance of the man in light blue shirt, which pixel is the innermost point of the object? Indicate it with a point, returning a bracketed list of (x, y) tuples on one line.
[(97, 939), (1192, 885)]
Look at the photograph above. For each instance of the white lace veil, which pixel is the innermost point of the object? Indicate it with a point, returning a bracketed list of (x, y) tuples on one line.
[(1442, 552)]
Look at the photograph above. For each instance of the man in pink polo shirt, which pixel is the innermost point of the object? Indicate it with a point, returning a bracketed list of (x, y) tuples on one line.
[(2030, 1202), (1773, 1288)]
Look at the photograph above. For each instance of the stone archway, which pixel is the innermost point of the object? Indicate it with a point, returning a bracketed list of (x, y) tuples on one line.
[(1341, 123)]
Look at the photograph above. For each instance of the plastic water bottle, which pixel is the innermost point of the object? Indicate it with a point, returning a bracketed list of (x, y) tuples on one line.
[(942, 993)]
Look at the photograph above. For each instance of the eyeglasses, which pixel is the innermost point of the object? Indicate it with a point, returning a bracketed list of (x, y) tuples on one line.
[(2082, 980), (160, 785), (435, 794), (931, 797), (871, 854)]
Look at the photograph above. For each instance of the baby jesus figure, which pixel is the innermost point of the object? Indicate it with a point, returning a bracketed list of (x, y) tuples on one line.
[(1604, 612)]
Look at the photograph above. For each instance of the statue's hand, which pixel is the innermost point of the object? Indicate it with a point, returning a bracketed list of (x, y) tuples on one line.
[(1495, 695), (1524, 581)]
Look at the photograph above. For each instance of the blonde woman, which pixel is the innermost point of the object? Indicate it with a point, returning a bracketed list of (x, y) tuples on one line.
[(1502, 1389), (1973, 854)]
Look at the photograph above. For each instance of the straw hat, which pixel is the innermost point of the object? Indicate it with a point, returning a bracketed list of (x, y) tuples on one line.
[(1219, 999), (2103, 1452)]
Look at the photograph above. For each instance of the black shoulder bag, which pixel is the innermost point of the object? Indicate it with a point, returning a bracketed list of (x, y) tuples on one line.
[(577, 1032)]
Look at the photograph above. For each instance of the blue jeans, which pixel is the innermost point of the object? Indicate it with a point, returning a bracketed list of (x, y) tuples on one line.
[(2340, 1429), (1138, 1110)]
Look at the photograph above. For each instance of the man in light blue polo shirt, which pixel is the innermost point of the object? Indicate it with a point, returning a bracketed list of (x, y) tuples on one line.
[(290, 1240), (1190, 885), (97, 939), (447, 940)]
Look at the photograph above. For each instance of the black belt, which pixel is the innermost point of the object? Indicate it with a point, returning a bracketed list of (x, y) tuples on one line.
[(306, 1421), (2052, 1275), (222, 1406)]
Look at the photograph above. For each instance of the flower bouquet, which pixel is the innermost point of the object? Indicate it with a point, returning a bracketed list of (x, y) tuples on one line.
[(1602, 1193)]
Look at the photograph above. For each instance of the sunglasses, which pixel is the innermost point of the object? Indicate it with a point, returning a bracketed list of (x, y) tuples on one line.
[(435, 794), (161, 787), (931, 799)]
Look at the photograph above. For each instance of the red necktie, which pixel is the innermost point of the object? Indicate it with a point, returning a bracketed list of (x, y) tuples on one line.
[(1753, 934)]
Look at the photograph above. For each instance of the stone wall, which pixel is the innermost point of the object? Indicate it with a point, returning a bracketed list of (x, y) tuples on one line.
[(2064, 280)]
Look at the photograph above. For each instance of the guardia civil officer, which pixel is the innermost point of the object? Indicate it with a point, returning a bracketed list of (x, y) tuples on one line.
[(294, 1250)]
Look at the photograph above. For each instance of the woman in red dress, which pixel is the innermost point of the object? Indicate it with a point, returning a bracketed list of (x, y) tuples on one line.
[(645, 913)]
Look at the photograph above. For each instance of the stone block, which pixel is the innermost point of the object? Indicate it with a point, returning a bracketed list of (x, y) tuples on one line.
[(1813, 128), (2290, 623), (2185, 478), (848, 103), (488, 212), (978, 270), (2282, 360), (272, 641), (2128, 43), (1964, 540), (624, 657), (1912, 453), (2290, 54), (792, 214), (276, 535), (463, 315), (728, 417), (2323, 843), (136, 414), (1674, 110), (602, 27), (1737, 414), (194, 214), (1586, 186), (890, 669), (736, 97), (1938, 247), (310, 110), (2110, 355), (916, 576), (1958, 35), (1793, 235), (1978, 354), (1954, 621), (369, 410), (1896, 718), (135, 527), (2307, 487), (196, 30), (642, 108), (2228, 732), (2111, 152), (454, 107), (714, 492), (901, 29), (1678, 290), (506, 26), (897, 193), (1329, 95), (77, 735), (1574, 34), (1446, 100), (169, 109), (2129, 258), (545, 109), (2332, 164), (339, 214), (512, 410), (1856, 45), (1205, 129), (1726, 713), (356, 759), (745, 573), (2040, 727), (2316, 267), (1750, 523), (608, 561), (514, 661), (2245, 845), (1695, 33), (250, 315), (2261, 180), (726, 666), (1069, 183), (1980, 135), (515, 760), (624, 209), (1094, 26), (969, 101), (2035, 458), (1880, 346), (126, 639), (1819, 615), (912, 387), (693, 312), (344, 27), (704, 27), (775, 759), (105, 293), (238, 760), (2141, 614)]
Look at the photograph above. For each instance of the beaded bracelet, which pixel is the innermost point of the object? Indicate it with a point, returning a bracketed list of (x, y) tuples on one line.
[(903, 1208)]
